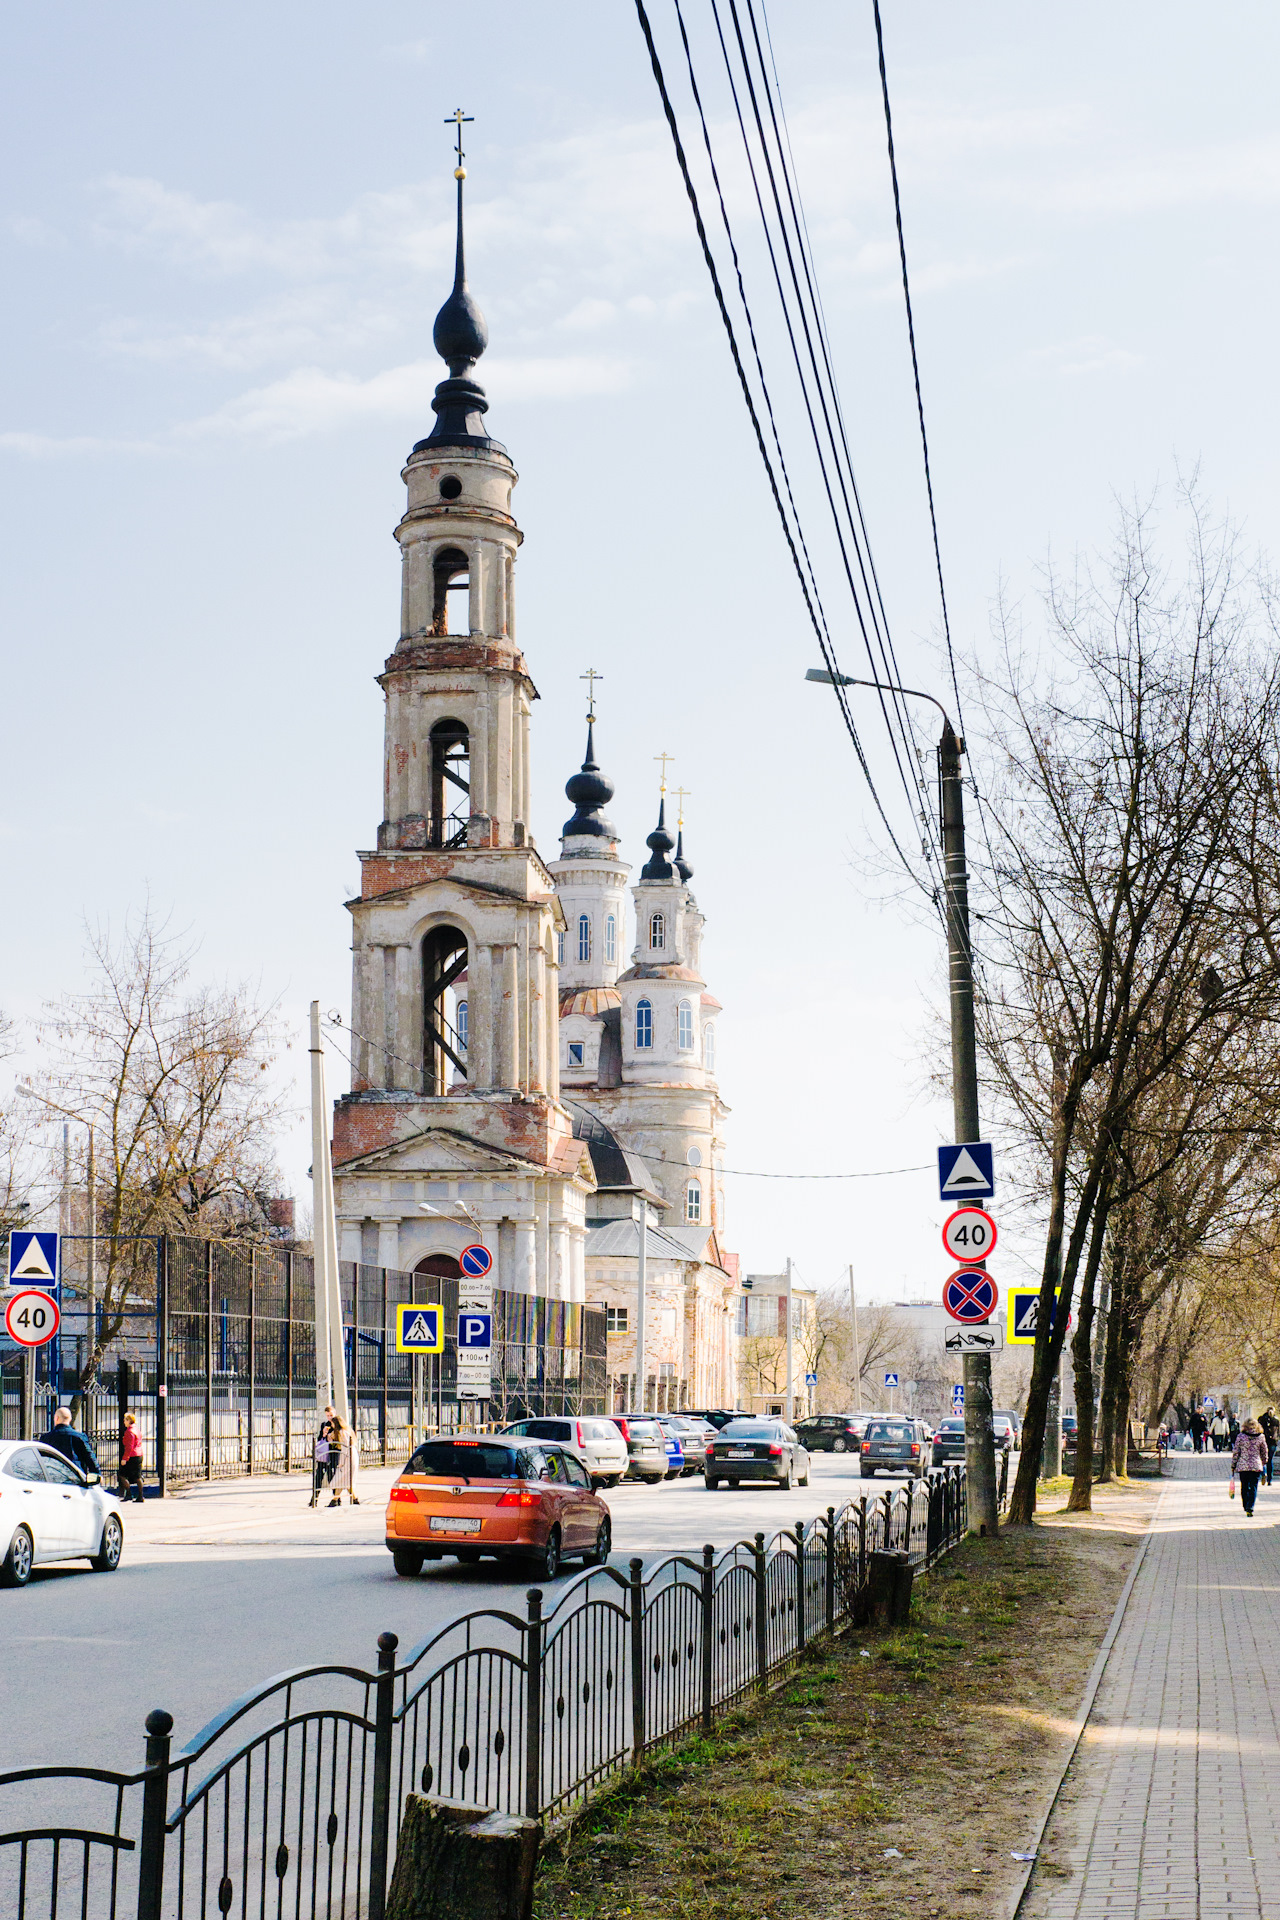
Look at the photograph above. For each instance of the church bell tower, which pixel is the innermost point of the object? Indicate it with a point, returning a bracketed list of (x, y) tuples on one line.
[(454, 1005)]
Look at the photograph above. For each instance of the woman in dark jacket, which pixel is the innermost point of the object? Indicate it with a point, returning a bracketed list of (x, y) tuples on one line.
[(1249, 1460)]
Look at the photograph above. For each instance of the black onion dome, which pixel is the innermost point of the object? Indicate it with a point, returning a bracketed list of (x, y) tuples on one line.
[(589, 791), (460, 336), (460, 333), (659, 868), (681, 864)]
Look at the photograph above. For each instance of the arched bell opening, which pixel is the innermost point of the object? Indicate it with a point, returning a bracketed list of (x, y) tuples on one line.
[(449, 798), (451, 582), (444, 1046)]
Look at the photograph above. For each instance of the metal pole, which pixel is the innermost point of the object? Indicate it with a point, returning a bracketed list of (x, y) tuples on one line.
[(791, 1342), (91, 1260), (857, 1357), (331, 1367), (641, 1266), (980, 1455)]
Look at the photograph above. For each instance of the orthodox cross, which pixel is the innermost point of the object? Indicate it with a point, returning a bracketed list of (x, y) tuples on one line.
[(682, 794), (460, 119), (664, 757), (591, 676)]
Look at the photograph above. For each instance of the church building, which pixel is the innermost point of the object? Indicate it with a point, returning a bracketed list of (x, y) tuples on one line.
[(515, 1081)]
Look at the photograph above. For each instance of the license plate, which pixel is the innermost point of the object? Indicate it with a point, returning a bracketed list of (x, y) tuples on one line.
[(446, 1523), (739, 1456)]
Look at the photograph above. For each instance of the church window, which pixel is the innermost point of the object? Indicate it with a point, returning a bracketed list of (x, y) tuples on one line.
[(462, 1024), (575, 1053), (450, 796), (610, 939), (644, 1023), (450, 487), (559, 949), (684, 1026), (658, 930), (616, 1320), (584, 936), (450, 582), (693, 1202), (709, 1047), (444, 965)]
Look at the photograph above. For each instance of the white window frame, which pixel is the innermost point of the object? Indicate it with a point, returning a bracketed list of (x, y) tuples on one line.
[(709, 1046), (684, 1026), (644, 1025), (693, 1204), (616, 1319), (584, 938), (610, 940), (657, 932), (462, 1025), (579, 1048), (559, 949)]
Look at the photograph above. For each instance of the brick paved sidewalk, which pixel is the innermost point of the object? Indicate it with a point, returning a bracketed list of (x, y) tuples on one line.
[(1171, 1809)]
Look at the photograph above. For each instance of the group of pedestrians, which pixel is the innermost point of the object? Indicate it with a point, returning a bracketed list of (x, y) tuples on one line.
[(334, 1460), (74, 1446)]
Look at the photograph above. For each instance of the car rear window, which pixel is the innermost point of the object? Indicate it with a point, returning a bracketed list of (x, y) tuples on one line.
[(644, 1430), (748, 1430), (952, 1426), (472, 1460), (882, 1430), (546, 1429)]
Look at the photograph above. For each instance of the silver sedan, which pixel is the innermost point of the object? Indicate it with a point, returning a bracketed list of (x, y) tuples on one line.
[(50, 1511)]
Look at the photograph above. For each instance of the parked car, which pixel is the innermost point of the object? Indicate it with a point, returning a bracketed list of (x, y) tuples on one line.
[(1070, 1427), (755, 1449), (646, 1447), (832, 1432), (1015, 1421), (675, 1449), (898, 1444), (696, 1435), (502, 1497), (719, 1417), (948, 1442), (1003, 1431), (49, 1510), (598, 1441)]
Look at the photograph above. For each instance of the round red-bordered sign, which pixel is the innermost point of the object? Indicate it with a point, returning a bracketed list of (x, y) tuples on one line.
[(970, 1296), (475, 1261), (970, 1235), (32, 1317)]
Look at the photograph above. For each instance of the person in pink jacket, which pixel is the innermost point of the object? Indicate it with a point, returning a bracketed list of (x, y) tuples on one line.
[(1249, 1460)]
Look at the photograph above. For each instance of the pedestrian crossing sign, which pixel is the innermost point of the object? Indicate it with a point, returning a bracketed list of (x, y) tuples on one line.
[(419, 1329), (1024, 1314)]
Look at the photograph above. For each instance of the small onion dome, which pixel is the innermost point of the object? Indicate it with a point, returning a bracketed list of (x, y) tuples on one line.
[(589, 790), (659, 868), (681, 864)]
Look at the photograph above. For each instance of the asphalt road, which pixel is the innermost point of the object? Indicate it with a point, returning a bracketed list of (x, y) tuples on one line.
[(224, 1586)]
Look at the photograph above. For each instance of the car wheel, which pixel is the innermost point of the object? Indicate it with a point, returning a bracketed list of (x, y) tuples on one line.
[(613, 1479), (652, 1479), (407, 1560), (868, 1473), (711, 1483), (788, 1480), (15, 1571), (546, 1565), (604, 1544), (107, 1558), (804, 1478), (837, 1445)]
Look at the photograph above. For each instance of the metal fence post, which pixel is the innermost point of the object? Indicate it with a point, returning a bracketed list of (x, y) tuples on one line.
[(800, 1586), (1004, 1481), (708, 1637), (762, 1615), (862, 1542), (208, 1360), (162, 1365), (886, 1501), (288, 1362), (155, 1806), (830, 1524), (533, 1707), (383, 1727), (253, 1351), (635, 1601)]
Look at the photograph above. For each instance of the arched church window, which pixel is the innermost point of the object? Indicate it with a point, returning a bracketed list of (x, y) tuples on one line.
[(450, 581), (644, 1023), (444, 1048), (584, 936), (693, 1202), (610, 939), (709, 1047), (658, 930), (462, 1023), (450, 795), (684, 1026), (559, 949)]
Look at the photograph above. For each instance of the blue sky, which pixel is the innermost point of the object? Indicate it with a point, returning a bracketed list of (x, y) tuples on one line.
[(224, 238)]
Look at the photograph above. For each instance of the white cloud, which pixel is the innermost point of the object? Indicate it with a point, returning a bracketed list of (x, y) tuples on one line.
[(1091, 353), (308, 322), (33, 232)]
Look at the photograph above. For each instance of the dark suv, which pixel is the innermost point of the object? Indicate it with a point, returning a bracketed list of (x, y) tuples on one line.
[(832, 1432), (948, 1442), (898, 1444)]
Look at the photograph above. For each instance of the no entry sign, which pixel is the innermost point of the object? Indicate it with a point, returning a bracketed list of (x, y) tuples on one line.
[(31, 1317), (970, 1295), (970, 1234)]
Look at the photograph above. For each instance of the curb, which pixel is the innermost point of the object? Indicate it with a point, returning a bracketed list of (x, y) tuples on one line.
[(1082, 1717)]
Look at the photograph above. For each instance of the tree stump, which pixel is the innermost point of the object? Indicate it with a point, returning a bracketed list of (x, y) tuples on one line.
[(890, 1578), (455, 1862)]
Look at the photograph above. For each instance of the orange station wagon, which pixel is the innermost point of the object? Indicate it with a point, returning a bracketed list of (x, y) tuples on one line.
[(504, 1499)]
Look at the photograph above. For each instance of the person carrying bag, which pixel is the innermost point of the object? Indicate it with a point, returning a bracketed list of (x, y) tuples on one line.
[(1249, 1460)]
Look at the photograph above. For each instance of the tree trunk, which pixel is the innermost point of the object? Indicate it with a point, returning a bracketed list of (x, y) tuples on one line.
[(1110, 1363), (455, 1862), (1080, 1499)]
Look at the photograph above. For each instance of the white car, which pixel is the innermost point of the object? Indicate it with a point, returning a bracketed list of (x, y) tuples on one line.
[(50, 1511), (598, 1442)]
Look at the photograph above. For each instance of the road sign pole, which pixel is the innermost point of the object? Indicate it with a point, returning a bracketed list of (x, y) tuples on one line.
[(27, 1422), (980, 1453), (791, 1399), (857, 1360)]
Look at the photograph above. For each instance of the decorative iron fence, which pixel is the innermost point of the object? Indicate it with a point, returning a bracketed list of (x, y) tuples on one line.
[(289, 1801)]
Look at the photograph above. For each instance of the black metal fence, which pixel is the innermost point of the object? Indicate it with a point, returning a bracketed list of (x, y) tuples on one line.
[(290, 1800), (216, 1360)]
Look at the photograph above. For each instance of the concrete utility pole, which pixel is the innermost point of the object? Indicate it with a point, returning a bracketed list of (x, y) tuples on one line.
[(642, 1259), (331, 1365), (857, 1356), (979, 1436), (791, 1345)]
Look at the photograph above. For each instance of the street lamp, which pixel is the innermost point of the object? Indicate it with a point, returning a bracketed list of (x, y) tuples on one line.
[(980, 1454)]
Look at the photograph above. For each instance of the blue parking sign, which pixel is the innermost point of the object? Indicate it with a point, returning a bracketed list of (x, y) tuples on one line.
[(475, 1330)]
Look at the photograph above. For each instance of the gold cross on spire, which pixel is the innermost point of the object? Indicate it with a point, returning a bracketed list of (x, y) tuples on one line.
[(459, 119), (591, 676), (664, 757), (682, 794)]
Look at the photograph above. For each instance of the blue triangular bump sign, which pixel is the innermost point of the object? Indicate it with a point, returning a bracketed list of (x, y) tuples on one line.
[(966, 1171)]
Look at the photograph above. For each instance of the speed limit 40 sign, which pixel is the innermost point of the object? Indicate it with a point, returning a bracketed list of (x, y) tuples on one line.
[(969, 1235), (31, 1317)]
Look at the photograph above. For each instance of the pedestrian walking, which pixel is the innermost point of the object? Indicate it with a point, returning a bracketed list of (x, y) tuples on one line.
[(130, 1487), (1199, 1427), (1271, 1429), (344, 1478), (324, 1455), (71, 1444), (1220, 1431), (1249, 1460)]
